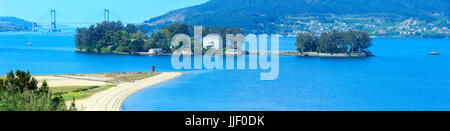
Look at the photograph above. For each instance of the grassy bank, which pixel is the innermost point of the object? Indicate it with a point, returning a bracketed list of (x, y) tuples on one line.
[(127, 77), (78, 92), (120, 77)]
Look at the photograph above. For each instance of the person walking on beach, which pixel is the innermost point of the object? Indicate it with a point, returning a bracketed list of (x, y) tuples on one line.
[(153, 68)]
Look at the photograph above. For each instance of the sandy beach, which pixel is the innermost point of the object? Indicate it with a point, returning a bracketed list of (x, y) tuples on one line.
[(111, 99), (107, 99)]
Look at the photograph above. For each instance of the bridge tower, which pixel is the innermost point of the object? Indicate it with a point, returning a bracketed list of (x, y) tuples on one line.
[(106, 14), (53, 21), (34, 27)]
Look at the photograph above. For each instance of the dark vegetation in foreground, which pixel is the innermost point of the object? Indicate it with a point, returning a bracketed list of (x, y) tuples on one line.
[(334, 42), (20, 92), (114, 37)]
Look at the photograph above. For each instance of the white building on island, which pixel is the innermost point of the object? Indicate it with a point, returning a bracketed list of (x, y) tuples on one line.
[(212, 41), (155, 51)]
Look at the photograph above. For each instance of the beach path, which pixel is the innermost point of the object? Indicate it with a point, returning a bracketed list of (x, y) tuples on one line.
[(112, 99)]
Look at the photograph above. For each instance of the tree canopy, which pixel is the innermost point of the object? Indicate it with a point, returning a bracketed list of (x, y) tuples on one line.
[(113, 37), (334, 42), (20, 92), (109, 37)]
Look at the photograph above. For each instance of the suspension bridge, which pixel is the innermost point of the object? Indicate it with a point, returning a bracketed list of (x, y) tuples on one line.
[(48, 22)]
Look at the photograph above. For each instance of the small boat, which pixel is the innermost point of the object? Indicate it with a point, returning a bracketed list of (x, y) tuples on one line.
[(29, 41), (434, 53)]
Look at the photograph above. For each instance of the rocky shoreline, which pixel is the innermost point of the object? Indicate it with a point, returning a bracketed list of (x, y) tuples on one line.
[(281, 53)]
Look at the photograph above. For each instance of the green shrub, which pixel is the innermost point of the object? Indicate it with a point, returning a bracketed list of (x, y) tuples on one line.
[(19, 92), (106, 50)]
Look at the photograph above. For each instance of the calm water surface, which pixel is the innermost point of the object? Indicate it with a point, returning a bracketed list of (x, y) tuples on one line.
[(400, 77)]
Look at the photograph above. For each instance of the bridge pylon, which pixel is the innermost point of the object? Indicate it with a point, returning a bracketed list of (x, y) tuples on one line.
[(106, 14), (53, 21)]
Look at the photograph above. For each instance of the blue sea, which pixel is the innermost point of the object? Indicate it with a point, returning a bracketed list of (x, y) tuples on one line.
[(400, 77)]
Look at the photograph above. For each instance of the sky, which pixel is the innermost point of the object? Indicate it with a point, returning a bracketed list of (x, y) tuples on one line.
[(91, 11)]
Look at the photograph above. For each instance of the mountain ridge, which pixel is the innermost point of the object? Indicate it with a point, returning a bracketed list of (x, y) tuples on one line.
[(9, 23), (259, 15)]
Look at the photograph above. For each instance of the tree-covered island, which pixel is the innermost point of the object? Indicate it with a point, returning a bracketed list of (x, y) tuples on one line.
[(334, 44), (114, 37)]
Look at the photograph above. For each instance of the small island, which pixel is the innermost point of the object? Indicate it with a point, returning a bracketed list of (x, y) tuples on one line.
[(334, 44), (115, 38)]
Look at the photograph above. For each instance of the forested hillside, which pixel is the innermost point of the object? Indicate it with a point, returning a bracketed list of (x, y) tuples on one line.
[(14, 24), (281, 16)]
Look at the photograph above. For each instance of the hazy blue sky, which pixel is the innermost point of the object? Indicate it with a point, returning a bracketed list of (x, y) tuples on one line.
[(89, 11)]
